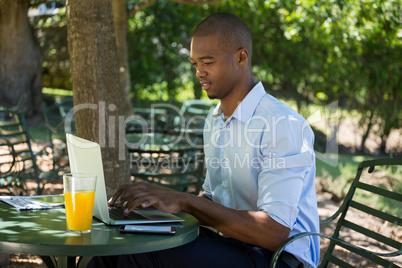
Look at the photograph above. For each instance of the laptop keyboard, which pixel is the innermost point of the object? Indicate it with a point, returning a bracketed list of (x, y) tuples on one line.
[(116, 213)]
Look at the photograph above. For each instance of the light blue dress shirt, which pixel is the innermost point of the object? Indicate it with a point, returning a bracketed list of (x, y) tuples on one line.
[(262, 158)]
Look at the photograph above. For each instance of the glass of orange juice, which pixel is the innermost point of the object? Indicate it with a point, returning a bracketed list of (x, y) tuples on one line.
[(79, 197)]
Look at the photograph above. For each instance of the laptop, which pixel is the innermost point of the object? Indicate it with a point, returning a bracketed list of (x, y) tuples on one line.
[(85, 157)]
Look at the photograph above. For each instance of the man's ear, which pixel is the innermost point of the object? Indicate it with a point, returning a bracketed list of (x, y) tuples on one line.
[(243, 56)]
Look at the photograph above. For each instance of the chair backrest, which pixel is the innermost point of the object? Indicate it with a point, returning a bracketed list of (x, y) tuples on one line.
[(7, 163), (377, 194), (38, 165), (55, 112), (13, 128), (155, 118), (168, 160), (193, 114), (64, 105), (196, 107)]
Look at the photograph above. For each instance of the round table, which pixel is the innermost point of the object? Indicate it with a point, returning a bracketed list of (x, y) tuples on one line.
[(43, 233)]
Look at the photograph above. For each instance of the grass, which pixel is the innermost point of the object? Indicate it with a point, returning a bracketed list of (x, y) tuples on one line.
[(337, 179), (336, 166), (336, 172), (57, 92)]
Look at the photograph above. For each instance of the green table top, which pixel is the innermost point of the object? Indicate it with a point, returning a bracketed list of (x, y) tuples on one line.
[(43, 232)]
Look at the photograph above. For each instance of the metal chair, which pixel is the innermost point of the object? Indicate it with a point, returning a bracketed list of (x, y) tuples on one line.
[(158, 119), (168, 160), (360, 190), (192, 118), (14, 129), (7, 166), (192, 115)]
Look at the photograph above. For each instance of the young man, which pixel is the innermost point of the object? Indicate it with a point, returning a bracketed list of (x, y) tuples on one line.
[(259, 187)]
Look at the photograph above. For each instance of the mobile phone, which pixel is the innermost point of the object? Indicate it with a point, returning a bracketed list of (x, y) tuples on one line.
[(150, 229)]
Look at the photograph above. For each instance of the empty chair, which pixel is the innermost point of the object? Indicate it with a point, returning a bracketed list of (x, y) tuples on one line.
[(14, 129), (167, 159), (192, 114)]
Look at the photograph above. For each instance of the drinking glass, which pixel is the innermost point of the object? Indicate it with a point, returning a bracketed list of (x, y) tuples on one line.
[(79, 197)]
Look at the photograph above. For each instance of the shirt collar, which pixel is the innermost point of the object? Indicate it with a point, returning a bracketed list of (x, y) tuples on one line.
[(247, 106), (217, 110)]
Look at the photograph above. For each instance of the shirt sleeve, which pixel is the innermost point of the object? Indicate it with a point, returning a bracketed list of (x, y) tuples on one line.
[(206, 188), (286, 160)]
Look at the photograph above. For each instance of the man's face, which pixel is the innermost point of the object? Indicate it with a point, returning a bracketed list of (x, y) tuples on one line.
[(215, 66)]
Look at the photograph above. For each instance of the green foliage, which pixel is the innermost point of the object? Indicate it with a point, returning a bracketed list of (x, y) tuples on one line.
[(159, 41), (51, 32), (306, 51), (309, 51)]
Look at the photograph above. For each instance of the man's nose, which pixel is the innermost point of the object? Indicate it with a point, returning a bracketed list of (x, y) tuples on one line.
[(200, 73)]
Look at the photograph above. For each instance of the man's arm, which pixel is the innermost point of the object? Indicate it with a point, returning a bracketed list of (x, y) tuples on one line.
[(254, 227)]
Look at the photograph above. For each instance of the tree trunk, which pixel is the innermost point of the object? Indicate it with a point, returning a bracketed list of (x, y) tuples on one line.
[(120, 24), (367, 132), (95, 77), (20, 58), (386, 131)]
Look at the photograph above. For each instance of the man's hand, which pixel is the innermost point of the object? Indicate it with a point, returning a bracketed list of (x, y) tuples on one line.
[(145, 195)]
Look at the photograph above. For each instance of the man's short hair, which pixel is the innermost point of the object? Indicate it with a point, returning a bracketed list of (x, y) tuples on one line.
[(233, 32)]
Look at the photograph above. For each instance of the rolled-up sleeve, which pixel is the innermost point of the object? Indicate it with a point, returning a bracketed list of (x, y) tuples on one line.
[(285, 163), (206, 187)]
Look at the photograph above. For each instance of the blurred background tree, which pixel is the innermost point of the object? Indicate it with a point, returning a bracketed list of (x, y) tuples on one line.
[(20, 59)]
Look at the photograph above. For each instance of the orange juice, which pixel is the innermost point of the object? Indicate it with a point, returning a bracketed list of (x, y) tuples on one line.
[(79, 208)]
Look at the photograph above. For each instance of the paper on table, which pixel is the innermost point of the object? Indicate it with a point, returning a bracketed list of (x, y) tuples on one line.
[(28, 203)]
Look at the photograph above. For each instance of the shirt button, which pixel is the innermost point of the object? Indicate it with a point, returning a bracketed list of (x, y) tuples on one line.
[(224, 186)]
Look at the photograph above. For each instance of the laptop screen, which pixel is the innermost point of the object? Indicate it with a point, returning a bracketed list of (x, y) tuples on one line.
[(85, 157)]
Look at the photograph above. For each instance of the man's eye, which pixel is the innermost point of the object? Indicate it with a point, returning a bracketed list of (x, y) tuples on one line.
[(208, 63)]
